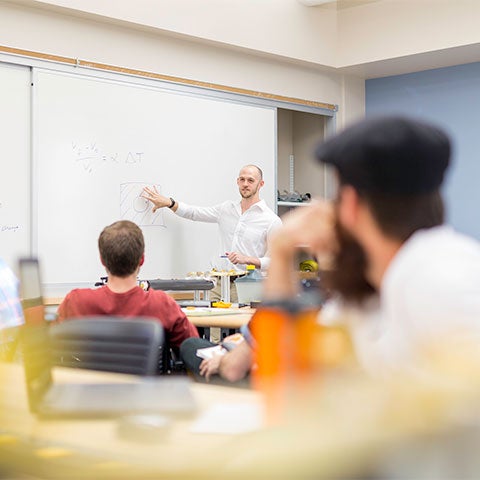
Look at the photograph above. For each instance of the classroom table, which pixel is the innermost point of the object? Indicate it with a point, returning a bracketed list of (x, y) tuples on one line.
[(52, 301), (94, 448), (336, 426), (229, 320)]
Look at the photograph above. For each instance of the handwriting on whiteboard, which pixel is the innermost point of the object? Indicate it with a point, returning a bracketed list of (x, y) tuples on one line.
[(9, 228), (6, 227), (91, 156)]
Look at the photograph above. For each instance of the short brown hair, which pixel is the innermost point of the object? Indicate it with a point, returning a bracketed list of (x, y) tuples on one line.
[(121, 247), (399, 216)]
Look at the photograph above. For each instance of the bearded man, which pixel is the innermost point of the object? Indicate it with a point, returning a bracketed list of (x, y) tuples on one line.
[(245, 226), (401, 280)]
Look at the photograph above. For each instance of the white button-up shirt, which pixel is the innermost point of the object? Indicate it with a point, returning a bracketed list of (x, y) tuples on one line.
[(246, 233)]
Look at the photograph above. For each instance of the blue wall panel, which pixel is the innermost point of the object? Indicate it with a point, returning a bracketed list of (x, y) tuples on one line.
[(451, 98)]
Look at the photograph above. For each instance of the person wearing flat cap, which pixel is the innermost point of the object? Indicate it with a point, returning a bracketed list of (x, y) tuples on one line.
[(400, 279)]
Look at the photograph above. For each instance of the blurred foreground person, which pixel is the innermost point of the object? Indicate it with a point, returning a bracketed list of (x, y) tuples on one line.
[(401, 280)]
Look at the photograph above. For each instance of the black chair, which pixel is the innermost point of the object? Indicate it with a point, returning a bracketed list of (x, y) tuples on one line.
[(113, 344)]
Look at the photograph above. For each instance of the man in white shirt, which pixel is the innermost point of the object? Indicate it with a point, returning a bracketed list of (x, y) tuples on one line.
[(404, 283), (245, 226)]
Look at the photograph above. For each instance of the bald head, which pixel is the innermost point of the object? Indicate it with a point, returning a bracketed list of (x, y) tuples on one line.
[(249, 181), (253, 170)]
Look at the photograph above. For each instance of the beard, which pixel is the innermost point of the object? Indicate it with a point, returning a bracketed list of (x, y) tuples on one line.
[(248, 193), (348, 275)]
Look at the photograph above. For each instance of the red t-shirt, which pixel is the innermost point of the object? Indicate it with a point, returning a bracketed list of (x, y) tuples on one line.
[(136, 302)]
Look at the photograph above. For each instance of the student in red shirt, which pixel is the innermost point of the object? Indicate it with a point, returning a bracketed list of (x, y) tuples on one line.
[(122, 247)]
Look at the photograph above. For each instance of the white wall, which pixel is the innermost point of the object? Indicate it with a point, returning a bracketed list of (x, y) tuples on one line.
[(389, 29), (282, 47), (126, 45), (340, 35), (280, 27), (57, 33)]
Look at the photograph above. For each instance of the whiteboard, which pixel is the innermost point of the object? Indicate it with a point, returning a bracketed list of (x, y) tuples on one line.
[(15, 162), (97, 142)]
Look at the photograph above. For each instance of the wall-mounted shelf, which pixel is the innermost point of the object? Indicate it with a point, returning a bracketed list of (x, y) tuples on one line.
[(298, 136)]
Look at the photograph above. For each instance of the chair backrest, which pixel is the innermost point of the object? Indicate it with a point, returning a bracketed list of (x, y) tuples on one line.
[(113, 344)]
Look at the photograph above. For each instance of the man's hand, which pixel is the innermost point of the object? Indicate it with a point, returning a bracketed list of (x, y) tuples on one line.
[(232, 366), (238, 258), (210, 367), (152, 195), (311, 228), (234, 338)]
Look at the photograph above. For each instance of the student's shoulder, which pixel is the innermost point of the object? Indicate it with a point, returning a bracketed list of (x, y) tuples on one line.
[(77, 296), (84, 292), (160, 296)]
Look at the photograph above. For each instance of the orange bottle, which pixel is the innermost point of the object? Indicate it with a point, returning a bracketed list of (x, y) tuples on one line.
[(269, 328), (284, 359)]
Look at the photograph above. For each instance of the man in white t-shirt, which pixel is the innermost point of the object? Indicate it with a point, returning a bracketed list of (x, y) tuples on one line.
[(400, 279), (245, 226)]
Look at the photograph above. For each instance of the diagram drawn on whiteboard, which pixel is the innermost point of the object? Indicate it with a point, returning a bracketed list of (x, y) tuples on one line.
[(137, 209)]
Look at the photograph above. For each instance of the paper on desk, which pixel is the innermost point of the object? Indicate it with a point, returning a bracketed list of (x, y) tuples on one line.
[(229, 419), (210, 352)]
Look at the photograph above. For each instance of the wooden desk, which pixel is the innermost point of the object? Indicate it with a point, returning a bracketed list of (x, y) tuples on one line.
[(343, 426), (56, 301), (229, 321), (31, 445), (227, 324), (52, 301)]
